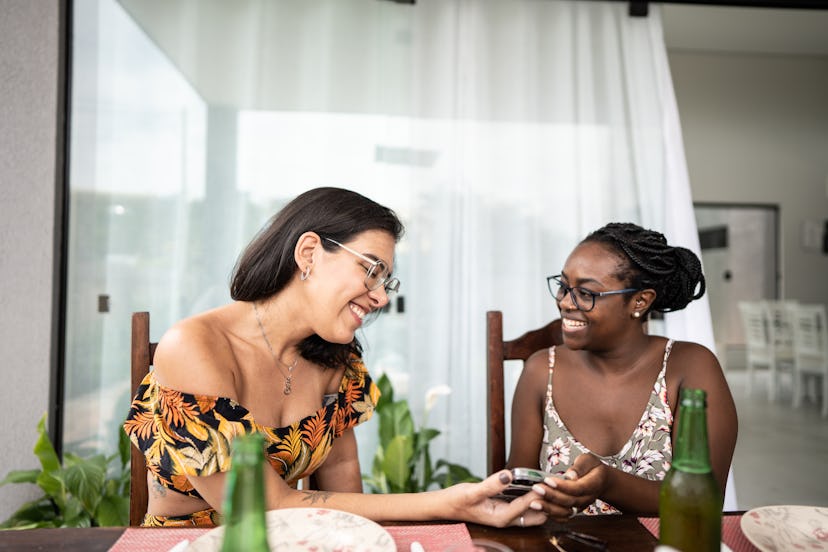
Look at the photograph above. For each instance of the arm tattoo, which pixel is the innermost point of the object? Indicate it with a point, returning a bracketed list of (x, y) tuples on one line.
[(158, 489), (316, 496)]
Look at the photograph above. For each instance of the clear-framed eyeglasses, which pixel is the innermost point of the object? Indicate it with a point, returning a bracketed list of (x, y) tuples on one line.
[(583, 298), (376, 273)]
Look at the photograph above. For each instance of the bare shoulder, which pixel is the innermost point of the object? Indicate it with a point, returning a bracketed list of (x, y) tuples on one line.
[(693, 356), (693, 364), (538, 362), (536, 370), (195, 356)]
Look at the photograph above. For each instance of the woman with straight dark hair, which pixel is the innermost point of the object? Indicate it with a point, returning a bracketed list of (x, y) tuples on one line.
[(598, 411), (282, 360)]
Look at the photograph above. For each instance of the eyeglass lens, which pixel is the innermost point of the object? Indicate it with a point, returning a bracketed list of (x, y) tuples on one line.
[(583, 299), (377, 276)]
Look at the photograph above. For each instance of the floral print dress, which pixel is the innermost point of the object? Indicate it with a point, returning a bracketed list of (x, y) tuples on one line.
[(182, 434), (647, 454)]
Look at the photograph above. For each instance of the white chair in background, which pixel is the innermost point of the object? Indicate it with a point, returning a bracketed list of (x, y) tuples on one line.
[(780, 330), (810, 341), (760, 350)]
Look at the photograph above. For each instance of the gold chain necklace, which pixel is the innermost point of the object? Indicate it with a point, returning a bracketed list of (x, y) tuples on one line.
[(289, 376)]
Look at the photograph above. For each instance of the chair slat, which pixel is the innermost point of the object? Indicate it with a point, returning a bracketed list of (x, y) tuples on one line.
[(142, 355), (810, 344), (498, 351)]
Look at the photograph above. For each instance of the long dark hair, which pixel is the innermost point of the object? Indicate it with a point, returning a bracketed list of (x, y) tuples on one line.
[(674, 272), (266, 265)]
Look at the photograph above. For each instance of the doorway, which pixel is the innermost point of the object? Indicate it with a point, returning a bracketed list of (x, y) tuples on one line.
[(740, 257)]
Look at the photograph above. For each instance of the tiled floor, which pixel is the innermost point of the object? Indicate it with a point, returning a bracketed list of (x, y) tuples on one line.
[(782, 453)]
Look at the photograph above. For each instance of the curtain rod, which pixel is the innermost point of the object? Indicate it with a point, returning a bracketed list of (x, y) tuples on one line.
[(792, 4), (640, 8)]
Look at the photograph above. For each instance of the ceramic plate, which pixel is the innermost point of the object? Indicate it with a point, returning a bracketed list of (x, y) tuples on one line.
[(777, 528), (315, 529)]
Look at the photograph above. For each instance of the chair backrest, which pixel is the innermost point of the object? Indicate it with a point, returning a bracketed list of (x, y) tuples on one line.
[(809, 333), (780, 329), (757, 335), (143, 351), (498, 351)]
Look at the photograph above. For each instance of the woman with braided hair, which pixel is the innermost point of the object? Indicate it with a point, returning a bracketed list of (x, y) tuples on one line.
[(598, 410)]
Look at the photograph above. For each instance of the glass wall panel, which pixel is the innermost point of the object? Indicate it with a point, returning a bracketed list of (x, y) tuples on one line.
[(137, 187)]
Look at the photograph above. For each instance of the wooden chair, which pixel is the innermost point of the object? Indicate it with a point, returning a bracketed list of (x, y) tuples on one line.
[(498, 351), (810, 350), (143, 351)]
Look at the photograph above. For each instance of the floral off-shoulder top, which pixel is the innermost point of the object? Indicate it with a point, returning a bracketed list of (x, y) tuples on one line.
[(182, 434)]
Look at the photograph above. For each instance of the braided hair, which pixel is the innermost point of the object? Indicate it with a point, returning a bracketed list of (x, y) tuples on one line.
[(673, 272)]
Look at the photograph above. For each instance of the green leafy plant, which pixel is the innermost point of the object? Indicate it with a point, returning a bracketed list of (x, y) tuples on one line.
[(82, 492), (402, 463)]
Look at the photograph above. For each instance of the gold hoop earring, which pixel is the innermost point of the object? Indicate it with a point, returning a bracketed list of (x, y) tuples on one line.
[(305, 273)]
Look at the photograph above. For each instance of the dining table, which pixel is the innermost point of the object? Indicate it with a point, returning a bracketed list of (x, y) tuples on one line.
[(621, 533)]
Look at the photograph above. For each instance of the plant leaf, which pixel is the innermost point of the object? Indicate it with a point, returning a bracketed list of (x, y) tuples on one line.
[(85, 479), (454, 473), (424, 436), (40, 511), (403, 422), (425, 471), (396, 464), (124, 445), (74, 514), (113, 510), (386, 390), (44, 450), (52, 484), (395, 420), (20, 476)]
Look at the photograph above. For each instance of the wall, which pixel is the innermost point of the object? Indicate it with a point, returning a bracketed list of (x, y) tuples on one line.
[(755, 130), (29, 47)]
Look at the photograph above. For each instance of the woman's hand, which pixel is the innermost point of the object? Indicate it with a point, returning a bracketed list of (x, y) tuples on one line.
[(580, 486), (473, 502)]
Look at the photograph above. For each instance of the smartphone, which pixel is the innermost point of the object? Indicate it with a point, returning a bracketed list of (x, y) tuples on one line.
[(522, 481)]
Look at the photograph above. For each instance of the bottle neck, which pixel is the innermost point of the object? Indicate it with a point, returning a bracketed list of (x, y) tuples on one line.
[(245, 482), (691, 451)]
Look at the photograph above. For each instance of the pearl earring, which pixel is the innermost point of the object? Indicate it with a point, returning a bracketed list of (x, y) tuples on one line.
[(636, 314)]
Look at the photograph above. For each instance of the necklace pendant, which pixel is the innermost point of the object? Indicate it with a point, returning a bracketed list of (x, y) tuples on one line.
[(287, 388)]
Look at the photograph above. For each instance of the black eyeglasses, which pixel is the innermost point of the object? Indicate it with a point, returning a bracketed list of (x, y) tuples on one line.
[(376, 273), (583, 298)]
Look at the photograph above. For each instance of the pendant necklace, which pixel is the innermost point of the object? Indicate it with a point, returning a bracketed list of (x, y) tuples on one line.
[(289, 376)]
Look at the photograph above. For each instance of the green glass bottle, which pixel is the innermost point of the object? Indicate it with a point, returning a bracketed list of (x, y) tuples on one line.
[(690, 501), (245, 529)]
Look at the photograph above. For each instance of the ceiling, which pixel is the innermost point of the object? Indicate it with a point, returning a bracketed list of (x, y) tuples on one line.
[(745, 30), (253, 37), (697, 27)]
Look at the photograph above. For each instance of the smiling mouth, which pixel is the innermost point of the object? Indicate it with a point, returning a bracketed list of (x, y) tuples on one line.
[(572, 324), (357, 310)]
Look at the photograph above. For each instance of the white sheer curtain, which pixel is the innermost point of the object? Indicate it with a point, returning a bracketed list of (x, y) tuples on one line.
[(502, 131), (554, 119)]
